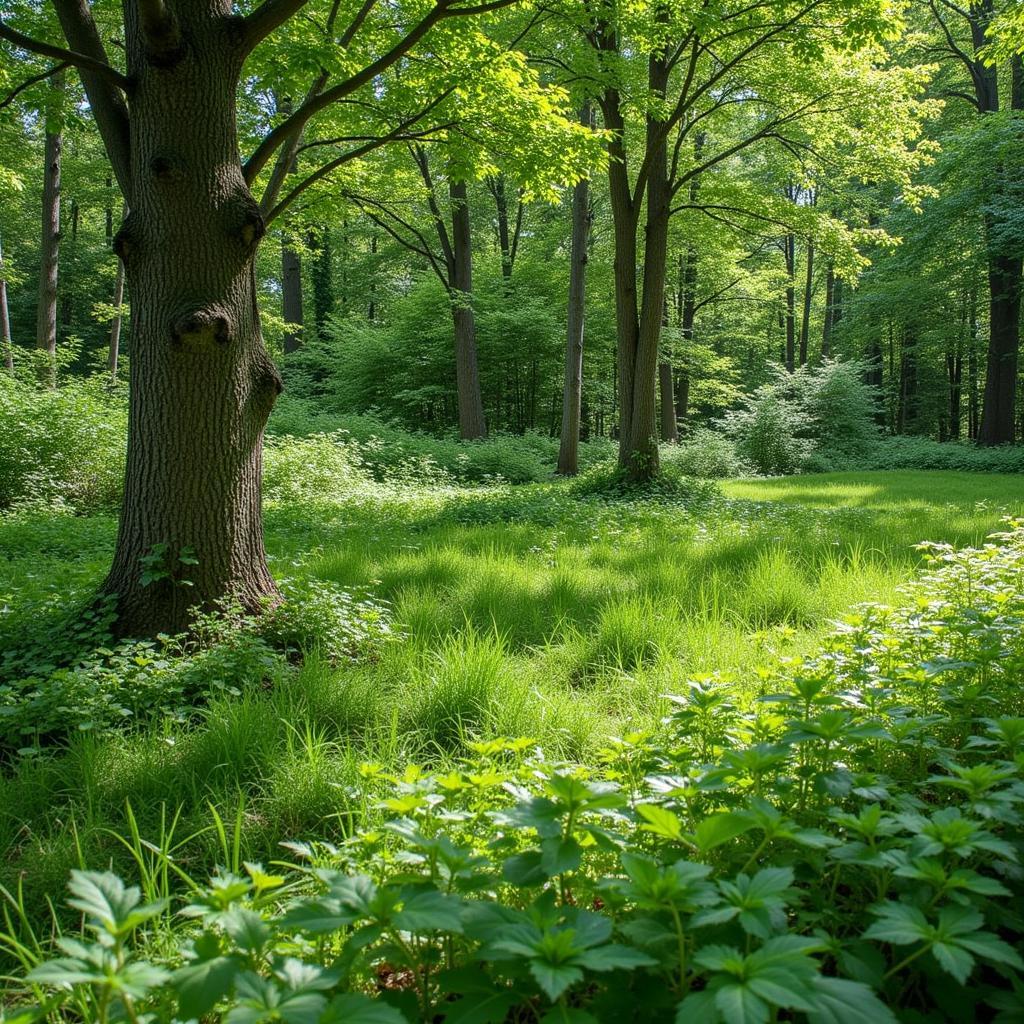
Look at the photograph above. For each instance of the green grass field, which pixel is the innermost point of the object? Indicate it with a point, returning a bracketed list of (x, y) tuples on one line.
[(517, 611)]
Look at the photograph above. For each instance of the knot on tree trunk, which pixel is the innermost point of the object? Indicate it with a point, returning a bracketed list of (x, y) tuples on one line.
[(125, 240), (203, 326), (166, 169), (245, 222), (267, 383)]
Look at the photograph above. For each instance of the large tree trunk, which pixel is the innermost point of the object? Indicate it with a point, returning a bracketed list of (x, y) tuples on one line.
[(572, 390), (49, 252), (202, 383), (638, 330), (291, 294), (472, 423), (6, 344)]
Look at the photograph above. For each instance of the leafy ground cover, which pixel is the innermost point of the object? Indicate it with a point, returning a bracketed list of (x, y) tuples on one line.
[(837, 841), (432, 616)]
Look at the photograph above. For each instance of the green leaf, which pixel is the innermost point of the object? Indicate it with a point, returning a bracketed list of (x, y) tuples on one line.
[(953, 960), (899, 924), (721, 828), (317, 916), (738, 1005), (352, 1008), (248, 930), (201, 985), (559, 855), (661, 821), (614, 957), (430, 911), (114, 907), (489, 1007), (839, 1001), (554, 979)]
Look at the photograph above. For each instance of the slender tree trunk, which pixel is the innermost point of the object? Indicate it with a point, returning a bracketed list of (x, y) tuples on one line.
[(202, 382), (114, 350), (323, 283), (669, 426), (291, 294), (67, 300), (505, 243), (687, 318), (572, 391), (973, 402), (790, 250), (826, 332), (954, 368), (805, 323), (371, 310), (49, 254), (6, 343), (472, 423)]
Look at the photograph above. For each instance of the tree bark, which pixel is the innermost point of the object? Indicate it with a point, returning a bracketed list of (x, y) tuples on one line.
[(202, 382), (49, 248), (472, 423), (572, 391), (508, 237)]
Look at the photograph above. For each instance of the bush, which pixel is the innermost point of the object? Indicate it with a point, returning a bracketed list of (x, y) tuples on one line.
[(842, 408), (901, 452), (62, 672), (64, 446), (392, 453), (704, 453), (771, 430), (843, 848)]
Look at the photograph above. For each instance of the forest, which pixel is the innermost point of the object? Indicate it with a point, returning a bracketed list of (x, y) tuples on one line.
[(511, 511)]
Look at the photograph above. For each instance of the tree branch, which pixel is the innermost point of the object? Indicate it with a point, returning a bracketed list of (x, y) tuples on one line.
[(108, 105), (161, 32), (269, 15), (72, 57), (29, 82), (423, 249), (297, 121)]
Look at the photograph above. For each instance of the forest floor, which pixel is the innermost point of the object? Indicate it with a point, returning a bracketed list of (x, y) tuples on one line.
[(517, 611)]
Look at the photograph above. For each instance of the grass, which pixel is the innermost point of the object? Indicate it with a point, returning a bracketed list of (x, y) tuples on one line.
[(520, 611)]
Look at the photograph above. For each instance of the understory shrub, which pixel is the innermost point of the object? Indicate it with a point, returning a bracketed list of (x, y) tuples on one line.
[(66, 674), (817, 418), (842, 848), (62, 445), (389, 452), (902, 452), (704, 453)]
